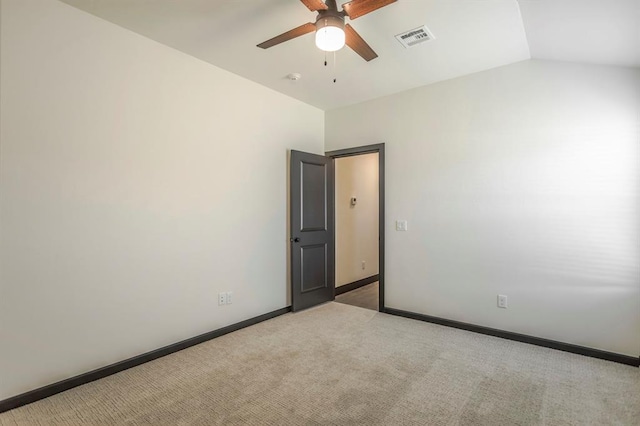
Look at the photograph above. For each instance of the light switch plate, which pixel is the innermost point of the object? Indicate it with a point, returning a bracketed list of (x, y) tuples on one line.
[(401, 225)]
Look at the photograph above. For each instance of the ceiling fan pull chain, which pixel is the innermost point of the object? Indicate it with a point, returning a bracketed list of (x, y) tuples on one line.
[(334, 67), (325, 52)]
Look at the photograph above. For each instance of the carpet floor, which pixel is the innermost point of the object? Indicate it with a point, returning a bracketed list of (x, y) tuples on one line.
[(342, 365)]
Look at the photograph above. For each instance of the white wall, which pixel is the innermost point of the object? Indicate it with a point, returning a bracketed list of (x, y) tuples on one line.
[(356, 226), (522, 180), (136, 183)]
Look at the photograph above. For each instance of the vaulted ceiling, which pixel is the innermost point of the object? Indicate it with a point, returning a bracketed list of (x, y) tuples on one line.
[(470, 36)]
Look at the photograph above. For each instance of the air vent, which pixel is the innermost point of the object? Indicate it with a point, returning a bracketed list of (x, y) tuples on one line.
[(415, 36)]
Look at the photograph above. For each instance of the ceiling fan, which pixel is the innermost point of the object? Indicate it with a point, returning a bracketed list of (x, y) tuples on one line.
[(331, 31)]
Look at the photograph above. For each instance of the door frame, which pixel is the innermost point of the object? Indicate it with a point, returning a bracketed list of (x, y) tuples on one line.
[(369, 149)]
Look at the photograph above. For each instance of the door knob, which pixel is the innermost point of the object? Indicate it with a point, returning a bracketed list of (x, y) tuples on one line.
[(296, 240)]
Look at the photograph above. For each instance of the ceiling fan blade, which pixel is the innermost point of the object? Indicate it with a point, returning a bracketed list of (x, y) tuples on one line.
[(296, 32), (357, 8), (314, 5), (357, 43)]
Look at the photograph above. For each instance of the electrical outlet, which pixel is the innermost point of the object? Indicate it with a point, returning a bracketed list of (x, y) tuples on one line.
[(229, 297), (364, 265), (222, 298), (502, 301)]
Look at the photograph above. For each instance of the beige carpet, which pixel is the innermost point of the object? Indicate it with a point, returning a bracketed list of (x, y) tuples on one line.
[(342, 365)]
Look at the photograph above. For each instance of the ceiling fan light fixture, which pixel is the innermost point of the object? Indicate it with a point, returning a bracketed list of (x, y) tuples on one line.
[(330, 34)]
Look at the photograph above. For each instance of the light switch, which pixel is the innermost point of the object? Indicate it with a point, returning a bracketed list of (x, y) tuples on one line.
[(401, 225)]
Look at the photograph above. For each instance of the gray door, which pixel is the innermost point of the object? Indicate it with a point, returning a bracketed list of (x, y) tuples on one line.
[(312, 245)]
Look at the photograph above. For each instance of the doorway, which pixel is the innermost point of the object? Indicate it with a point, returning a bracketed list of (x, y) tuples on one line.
[(312, 230), (359, 226), (356, 230)]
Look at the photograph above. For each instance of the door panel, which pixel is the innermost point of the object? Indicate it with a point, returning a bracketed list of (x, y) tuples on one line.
[(312, 245), (314, 197), (314, 264)]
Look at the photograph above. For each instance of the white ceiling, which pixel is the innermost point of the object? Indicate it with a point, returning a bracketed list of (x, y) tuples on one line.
[(591, 31), (471, 35)]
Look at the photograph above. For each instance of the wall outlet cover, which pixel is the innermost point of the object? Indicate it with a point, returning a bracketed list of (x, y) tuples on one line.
[(502, 301)]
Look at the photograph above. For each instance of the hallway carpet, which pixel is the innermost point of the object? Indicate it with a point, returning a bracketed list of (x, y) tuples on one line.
[(342, 365)]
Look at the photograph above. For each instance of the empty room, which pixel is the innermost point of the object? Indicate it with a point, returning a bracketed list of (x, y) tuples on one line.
[(310, 212)]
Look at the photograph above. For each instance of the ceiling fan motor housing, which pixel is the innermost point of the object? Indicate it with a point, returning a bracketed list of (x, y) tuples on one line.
[(329, 18)]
